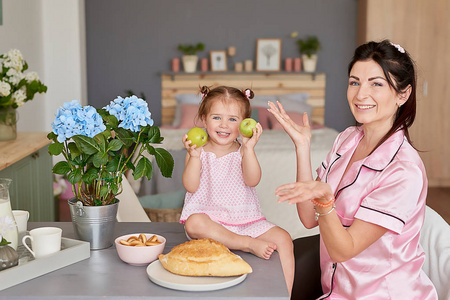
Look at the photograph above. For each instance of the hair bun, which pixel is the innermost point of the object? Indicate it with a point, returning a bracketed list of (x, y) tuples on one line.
[(249, 93)]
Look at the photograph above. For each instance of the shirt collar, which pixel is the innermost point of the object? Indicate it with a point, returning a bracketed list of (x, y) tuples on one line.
[(382, 156)]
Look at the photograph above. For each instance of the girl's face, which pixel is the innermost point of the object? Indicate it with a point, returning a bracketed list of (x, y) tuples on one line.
[(222, 122), (372, 100)]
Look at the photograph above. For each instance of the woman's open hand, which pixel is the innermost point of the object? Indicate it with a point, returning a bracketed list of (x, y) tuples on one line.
[(300, 134), (298, 192)]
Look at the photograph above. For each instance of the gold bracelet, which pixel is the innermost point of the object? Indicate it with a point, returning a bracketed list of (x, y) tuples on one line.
[(317, 215)]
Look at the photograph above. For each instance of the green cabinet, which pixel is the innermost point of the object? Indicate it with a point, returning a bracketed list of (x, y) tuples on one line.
[(32, 185)]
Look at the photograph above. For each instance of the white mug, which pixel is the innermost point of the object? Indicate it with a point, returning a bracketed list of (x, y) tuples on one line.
[(44, 241), (21, 217)]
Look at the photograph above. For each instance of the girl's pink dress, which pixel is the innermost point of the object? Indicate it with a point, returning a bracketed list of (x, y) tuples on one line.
[(388, 188), (224, 196)]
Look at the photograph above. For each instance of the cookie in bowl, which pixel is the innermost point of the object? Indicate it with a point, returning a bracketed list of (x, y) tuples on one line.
[(139, 249)]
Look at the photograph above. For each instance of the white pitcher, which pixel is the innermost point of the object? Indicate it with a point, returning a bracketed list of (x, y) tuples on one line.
[(11, 235)]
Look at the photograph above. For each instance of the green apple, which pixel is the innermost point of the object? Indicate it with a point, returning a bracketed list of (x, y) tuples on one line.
[(246, 127), (197, 136)]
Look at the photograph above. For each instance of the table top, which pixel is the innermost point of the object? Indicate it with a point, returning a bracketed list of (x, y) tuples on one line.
[(105, 275)]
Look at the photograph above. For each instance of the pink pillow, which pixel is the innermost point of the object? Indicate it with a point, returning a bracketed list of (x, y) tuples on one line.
[(295, 116), (263, 117), (189, 116)]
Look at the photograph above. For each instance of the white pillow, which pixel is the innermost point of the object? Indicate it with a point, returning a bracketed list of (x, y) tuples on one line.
[(184, 99)]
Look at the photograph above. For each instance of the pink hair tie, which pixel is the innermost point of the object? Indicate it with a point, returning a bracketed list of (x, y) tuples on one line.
[(203, 95), (247, 94)]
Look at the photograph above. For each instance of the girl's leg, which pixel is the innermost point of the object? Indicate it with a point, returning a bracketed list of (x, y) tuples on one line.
[(285, 248), (201, 226)]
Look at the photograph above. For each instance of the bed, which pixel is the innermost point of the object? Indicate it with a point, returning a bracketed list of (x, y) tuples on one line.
[(275, 152)]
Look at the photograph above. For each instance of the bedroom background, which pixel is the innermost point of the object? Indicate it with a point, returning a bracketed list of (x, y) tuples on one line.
[(94, 50)]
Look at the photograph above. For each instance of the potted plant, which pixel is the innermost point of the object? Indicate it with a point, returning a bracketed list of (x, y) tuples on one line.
[(308, 48), (16, 88), (189, 57), (98, 147)]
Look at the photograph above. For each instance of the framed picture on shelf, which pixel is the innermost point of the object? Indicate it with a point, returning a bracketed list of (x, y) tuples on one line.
[(218, 60), (268, 55)]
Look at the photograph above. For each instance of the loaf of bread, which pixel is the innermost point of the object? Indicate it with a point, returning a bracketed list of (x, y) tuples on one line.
[(203, 257)]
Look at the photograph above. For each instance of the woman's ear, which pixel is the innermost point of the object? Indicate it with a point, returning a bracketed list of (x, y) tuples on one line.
[(404, 96)]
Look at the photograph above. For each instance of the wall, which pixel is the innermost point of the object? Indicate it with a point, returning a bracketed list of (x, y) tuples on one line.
[(130, 42), (51, 36)]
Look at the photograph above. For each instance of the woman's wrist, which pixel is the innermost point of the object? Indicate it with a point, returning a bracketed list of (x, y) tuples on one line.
[(319, 212), (318, 203)]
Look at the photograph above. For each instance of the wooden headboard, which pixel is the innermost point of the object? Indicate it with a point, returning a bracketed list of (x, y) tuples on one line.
[(261, 83)]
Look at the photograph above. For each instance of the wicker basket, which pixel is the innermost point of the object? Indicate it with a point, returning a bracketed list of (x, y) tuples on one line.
[(164, 215)]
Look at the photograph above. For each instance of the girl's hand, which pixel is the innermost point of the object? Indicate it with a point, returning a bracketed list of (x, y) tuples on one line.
[(192, 150), (251, 142), (299, 192), (300, 134)]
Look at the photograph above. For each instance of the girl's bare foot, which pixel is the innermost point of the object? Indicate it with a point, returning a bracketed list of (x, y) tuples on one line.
[(261, 248)]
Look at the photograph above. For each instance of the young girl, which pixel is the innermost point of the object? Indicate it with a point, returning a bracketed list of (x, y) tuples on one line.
[(220, 178)]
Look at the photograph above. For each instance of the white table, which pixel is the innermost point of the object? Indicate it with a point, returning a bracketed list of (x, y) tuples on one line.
[(104, 275)]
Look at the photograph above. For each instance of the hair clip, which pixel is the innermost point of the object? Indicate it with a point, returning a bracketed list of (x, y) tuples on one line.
[(399, 48), (203, 95), (247, 93)]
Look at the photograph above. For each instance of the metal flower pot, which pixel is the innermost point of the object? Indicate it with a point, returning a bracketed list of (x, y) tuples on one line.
[(94, 224)]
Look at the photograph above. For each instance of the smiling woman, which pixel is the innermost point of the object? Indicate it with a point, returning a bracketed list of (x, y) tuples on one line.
[(369, 196)]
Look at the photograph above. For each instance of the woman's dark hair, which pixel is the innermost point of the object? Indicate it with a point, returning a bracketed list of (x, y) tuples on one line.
[(226, 94), (399, 70)]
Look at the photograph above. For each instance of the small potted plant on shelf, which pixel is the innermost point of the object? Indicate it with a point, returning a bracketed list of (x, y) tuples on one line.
[(16, 88), (308, 48), (98, 147), (189, 58)]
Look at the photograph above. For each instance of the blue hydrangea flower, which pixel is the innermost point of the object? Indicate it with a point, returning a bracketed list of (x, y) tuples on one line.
[(132, 112), (73, 119)]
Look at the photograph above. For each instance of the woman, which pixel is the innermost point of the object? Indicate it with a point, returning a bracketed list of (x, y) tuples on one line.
[(369, 197)]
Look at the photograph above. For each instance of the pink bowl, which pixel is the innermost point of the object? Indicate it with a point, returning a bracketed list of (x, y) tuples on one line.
[(139, 256)]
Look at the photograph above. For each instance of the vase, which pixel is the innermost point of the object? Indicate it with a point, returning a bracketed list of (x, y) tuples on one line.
[(11, 235), (309, 63), (8, 122), (8, 257), (94, 224), (190, 63)]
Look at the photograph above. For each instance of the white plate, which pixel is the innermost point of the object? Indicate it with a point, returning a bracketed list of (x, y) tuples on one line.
[(162, 277)]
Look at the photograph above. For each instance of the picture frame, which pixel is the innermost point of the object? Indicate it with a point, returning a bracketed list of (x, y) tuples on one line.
[(268, 55), (218, 61)]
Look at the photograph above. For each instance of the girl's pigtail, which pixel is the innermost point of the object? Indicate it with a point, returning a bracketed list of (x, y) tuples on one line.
[(204, 91), (249, 94)]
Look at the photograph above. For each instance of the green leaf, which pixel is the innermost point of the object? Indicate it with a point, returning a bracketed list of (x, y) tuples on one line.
[(74, 177), (61, 168), (52, 136), (125, 136), (55, 148), (100, 159), (114, 145), (154, 135), (101, 141), (113, 164), (144, 167), (165, 161), (104, 190), (90, 175), (86, 144), (73, 150), (114, 189)]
